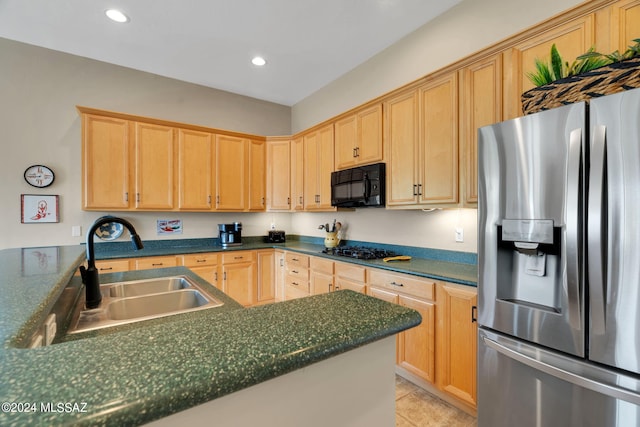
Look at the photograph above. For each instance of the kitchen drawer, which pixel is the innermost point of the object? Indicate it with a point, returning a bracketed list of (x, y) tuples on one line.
[(410, 285), (197, 260), (350, 271), (296, 286), (238, 256), (112, 265), (298, 272), (156, 262), (321, 265), (296, 259)]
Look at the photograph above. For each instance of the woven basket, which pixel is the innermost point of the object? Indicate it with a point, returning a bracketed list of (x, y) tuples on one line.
[(606, 80)]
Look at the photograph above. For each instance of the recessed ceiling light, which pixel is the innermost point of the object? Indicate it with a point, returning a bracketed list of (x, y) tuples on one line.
[(116, 15), (259, 61)]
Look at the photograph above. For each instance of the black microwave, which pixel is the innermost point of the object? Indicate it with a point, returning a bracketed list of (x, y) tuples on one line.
[(359, 187)]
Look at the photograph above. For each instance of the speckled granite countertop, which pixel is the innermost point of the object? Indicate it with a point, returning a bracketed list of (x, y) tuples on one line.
[(135, 374), (450, 266)]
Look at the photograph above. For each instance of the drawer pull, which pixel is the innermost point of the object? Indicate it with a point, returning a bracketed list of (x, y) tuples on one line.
[(396, 284), (157, 264), (295, 271), (238, 257), (295, 259), (295, 283), (105, 268), (201, 260)]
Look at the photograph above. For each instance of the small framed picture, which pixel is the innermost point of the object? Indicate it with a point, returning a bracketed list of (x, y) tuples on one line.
[(36, 208)]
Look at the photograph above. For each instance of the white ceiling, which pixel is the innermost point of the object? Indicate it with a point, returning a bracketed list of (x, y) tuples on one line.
[(307, 43)]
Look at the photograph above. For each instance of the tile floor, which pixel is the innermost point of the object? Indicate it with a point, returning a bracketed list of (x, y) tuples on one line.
[(417, 408)]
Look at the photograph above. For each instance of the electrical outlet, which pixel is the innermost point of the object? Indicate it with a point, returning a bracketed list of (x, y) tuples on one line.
[(459, 235), (273, 225)]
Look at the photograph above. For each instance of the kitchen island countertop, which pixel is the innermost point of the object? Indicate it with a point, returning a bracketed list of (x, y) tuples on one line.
[(135, 374)]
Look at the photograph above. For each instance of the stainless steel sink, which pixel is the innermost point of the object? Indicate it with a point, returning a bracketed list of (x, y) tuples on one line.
[(137, 300), (152, 305), (148, 286)]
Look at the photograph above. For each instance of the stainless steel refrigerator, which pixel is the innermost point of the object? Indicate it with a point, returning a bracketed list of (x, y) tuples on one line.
[(559, 267)]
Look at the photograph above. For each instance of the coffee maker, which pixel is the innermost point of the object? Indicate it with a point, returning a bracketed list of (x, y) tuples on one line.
[(230, 234)]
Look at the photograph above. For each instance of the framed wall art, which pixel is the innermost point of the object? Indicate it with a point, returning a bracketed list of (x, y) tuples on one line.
[(36, 208)]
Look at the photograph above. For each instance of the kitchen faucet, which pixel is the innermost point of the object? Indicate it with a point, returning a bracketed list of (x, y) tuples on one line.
[(90, 273)]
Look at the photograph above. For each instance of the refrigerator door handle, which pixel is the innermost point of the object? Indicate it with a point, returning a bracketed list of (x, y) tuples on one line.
[(563, 374), (572, 241), (597, 217)]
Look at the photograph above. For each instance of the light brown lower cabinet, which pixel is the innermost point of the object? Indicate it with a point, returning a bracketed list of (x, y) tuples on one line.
[(350, 276), (239, 276), (297, 275), (457, 341), (204, 265), (320, 275), (146, 263), (266, 283), (415, 346)]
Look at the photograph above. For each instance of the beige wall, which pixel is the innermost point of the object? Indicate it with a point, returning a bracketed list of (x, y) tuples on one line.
[(40, 125)]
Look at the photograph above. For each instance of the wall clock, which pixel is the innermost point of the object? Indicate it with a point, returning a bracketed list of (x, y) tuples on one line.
[(39, 176)]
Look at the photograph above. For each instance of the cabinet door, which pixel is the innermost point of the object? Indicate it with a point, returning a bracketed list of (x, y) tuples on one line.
[(297, 174), (257, 175), (105, 163), (416, 346), (195, 169), (572, 39), (438, 181), (239, 282), (266, 289), (481, 106), (625, 21), (311, 170), (154, 166), (208, 273), (346, 142), (318, 165), (320, 283), (401, 143), (457, 346), (279, 175), (232, 173), (325, 157), (383, 295), (369, 147)]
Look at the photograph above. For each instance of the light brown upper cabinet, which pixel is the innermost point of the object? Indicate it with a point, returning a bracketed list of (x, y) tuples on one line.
[(257, 172), (358, 138), (278, 174), (481, 105), (195, 169), (625, 24), (401, 143), (105, 163), (232, 173), (297, 174), (154, 148), (318, 165), (572, 39), (421, 139)]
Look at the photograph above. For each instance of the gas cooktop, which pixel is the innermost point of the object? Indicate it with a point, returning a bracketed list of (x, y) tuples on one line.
[(358, 252)]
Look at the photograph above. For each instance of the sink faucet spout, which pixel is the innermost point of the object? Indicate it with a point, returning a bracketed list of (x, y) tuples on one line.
[(89, 274)]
